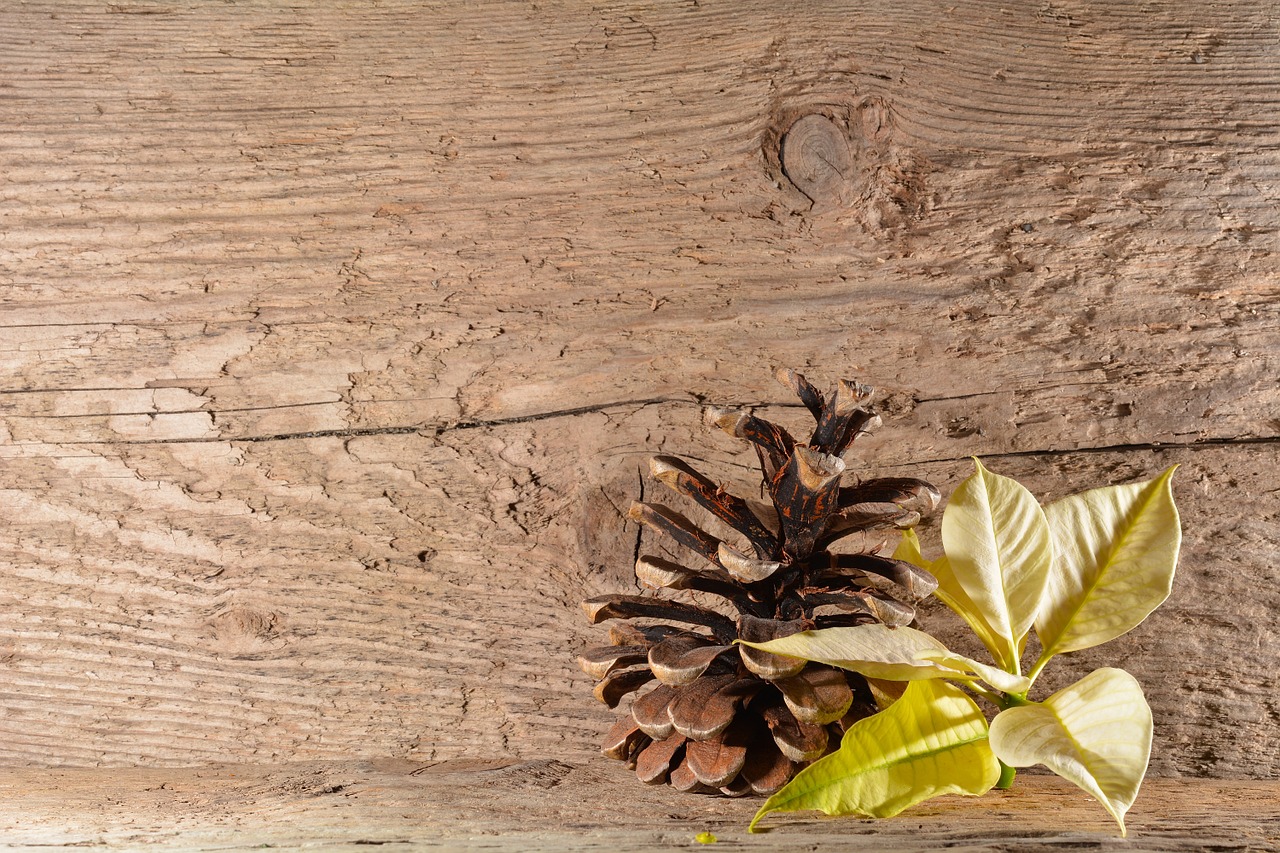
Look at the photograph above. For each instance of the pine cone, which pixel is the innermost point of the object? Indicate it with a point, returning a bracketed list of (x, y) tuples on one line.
[(728, 717)]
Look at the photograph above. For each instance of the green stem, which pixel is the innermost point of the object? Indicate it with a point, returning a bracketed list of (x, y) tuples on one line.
[(1013, 700), (996, 699), (1006, 776), (1035, 670), (1007, 701)]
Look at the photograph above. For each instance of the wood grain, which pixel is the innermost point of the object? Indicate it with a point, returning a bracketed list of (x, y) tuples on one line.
[(549, 805), (335, 336)]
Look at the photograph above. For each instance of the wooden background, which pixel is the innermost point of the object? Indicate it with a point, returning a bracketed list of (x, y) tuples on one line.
[(335, 336)]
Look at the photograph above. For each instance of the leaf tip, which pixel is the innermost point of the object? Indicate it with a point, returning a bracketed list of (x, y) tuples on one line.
[(1165, 477)]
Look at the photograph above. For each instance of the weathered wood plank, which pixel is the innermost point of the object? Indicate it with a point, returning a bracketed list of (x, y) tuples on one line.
[(335, 337), (357, 243), (552, 806)]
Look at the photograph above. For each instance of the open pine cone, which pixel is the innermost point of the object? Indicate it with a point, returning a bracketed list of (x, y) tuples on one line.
[(727, 717)]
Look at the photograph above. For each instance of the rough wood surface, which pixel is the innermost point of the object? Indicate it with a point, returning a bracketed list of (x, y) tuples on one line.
[(335, 336), (548, 805)]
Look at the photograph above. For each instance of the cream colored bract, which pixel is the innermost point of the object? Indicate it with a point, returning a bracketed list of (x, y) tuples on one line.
[(1115, 552), (1096, 733), (997, 544)]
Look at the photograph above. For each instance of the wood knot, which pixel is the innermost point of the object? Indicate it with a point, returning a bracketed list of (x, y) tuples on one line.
[(815, 157), (845, 157), (245, 630)]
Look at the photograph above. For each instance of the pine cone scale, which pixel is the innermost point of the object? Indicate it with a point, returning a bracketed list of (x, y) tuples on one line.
[(605, 660), (673, 524), (805, 493), (911, 579), (890, 612), (624, 738), (650, 712), (682, 660), (743, 568), (657, 573), (728, 508), (767, 665), (804, 389), (612, 688), (640, 606), (842, 417), (716, 762), (682, 778), (706, 707), (818, 695), (766, 769), (800, 742), (905, 491), (653, 764)]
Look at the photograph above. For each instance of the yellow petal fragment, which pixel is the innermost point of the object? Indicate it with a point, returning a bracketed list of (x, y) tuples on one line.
[(950, 593), (908, 549)]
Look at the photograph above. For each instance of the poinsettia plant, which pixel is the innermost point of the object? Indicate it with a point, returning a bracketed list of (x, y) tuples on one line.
[(1077, 573)]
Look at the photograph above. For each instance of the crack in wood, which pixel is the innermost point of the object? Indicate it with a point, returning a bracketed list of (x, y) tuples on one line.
[(358, 432), (635, 558), (355, 432)]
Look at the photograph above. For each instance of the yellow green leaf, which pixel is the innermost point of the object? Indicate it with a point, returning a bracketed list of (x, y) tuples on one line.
[(1116, 549), (932, 741), (997, 545), (1095, 733)]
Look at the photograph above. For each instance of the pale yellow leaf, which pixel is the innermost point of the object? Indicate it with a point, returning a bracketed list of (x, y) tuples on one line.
[(950, 593), (891, 654), (1005, 682), (1116, 550), (908, 549), (997, 544), (932, 741), (1095, 733), (874, 650)]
